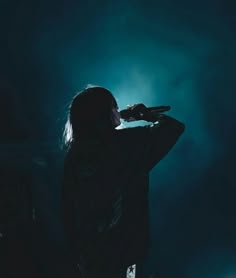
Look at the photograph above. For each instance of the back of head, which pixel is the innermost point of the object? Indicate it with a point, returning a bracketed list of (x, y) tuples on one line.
[(90, 113)]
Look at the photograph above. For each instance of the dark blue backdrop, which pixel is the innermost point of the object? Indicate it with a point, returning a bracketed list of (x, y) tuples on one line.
[(178, 53)]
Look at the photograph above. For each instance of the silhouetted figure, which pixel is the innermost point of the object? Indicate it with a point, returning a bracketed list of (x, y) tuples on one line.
[(106, 179)]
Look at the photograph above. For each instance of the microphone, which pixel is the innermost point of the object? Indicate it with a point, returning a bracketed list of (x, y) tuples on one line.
[(140, 110)]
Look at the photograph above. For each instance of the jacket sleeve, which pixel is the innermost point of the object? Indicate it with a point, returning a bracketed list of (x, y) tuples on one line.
[(153, 142)]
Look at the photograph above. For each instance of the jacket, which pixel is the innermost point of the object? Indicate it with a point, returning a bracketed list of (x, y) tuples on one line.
[(105, 193)]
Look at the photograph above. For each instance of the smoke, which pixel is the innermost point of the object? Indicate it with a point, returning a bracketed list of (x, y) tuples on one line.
[(176, 53)]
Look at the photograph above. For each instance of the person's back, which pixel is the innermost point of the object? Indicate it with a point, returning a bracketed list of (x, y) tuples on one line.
[(105, 193)]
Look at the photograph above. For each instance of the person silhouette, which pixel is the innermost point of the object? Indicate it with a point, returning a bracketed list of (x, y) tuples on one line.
[(106, 181)]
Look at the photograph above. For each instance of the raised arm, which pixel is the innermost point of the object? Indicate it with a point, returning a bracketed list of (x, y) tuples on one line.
[(164, 133), (151, 143)]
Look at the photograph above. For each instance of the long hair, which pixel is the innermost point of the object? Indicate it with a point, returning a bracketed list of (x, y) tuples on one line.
[(89, 114)]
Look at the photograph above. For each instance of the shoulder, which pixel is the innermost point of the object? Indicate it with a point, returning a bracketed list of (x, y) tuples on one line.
[(132, 140), (133, 132)]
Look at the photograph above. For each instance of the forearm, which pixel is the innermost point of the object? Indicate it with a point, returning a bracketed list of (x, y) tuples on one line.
[(164, 133), (163, 119)]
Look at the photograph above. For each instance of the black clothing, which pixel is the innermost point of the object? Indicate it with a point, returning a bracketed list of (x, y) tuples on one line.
[(105, 194)]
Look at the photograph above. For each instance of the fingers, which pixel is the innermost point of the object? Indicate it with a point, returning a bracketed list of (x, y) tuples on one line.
[(135, 105), (137, 112), (131, 105), (131, 119)]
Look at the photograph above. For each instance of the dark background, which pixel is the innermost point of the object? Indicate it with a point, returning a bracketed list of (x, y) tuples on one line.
[(178, 53)]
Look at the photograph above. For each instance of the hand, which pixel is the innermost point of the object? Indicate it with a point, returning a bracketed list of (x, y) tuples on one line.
[(138, 112)]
